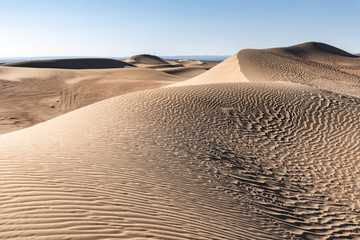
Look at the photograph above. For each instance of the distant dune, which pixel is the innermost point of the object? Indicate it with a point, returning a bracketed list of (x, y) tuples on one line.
[(32, 95), (35, 91), (80, 63), (147, 59), (314, 64), (264, 145)]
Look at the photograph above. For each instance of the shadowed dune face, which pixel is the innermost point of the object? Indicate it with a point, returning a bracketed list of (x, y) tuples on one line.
[(80, 63), (220, 161), (147, 59)]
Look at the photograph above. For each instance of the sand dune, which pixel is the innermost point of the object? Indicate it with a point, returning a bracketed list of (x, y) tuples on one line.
[(191, 62), (264, 145), (187, 72), (146, 59), (35, 91), (313, 64), (219, 161), (32, 95), (79, 63), (227, 71)]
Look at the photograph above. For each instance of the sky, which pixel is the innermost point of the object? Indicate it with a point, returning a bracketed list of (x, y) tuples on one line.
[(118, 28)]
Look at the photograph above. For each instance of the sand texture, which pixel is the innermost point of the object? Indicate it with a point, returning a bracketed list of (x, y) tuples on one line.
[(35, 91), (250, 156)]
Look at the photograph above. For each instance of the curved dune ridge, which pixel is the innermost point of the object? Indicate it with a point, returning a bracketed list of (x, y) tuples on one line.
[(32, 95), (219, 161), (146, 59), (227, 71), (264, 145), (314, 64), (187, 72), (76, 63)]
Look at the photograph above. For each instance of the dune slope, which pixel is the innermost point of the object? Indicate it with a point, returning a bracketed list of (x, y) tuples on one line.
[(218, 161), (76, 63), (312, 63), (32, 95), (227, 71)]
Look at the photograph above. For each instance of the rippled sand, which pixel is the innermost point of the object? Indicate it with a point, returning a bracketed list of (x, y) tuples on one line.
[(245, 160)]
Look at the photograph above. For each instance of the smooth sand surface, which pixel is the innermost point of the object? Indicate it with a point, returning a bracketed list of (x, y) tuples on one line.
[(252, 156), (227, 71), (81, 63)]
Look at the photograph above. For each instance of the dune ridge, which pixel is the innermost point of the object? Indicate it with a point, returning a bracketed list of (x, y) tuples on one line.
[(32, 95), (227, 71), (264, 145), (264, 159), (312, 63), (76, 63)]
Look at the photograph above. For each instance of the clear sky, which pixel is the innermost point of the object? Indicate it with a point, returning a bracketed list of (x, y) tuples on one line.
[(116, 28)]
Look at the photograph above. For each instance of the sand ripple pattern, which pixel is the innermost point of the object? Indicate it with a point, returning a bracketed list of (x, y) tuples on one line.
[(220, 161)]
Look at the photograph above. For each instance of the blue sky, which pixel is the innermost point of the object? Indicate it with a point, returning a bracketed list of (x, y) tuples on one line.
[(116, 28)]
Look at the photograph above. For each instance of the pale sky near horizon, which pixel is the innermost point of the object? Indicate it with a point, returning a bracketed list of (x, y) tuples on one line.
[(117, 28)]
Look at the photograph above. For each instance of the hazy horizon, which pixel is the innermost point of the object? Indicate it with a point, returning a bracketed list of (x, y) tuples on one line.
[(37, 28)]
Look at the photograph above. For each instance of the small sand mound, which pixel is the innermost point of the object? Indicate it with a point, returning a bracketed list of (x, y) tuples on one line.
[(146, 59), (186, 72), (191, 62), (78, 63)]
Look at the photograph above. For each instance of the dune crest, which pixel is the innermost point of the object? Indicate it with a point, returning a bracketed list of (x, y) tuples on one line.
[(264, 145), (146, 59), (313, 64), (76, 63), (32, 95), (227, 71), (189, 162)]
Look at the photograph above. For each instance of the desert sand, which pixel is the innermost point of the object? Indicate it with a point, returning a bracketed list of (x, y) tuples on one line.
[(35, 91), (264, 145)]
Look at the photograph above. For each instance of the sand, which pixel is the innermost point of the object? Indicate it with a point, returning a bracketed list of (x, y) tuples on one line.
[(35, 91), (312, 64), (241, 158), (81, 63)]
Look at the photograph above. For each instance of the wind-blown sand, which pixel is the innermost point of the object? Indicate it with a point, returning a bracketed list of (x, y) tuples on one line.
[(35, 91), (249, 159)]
